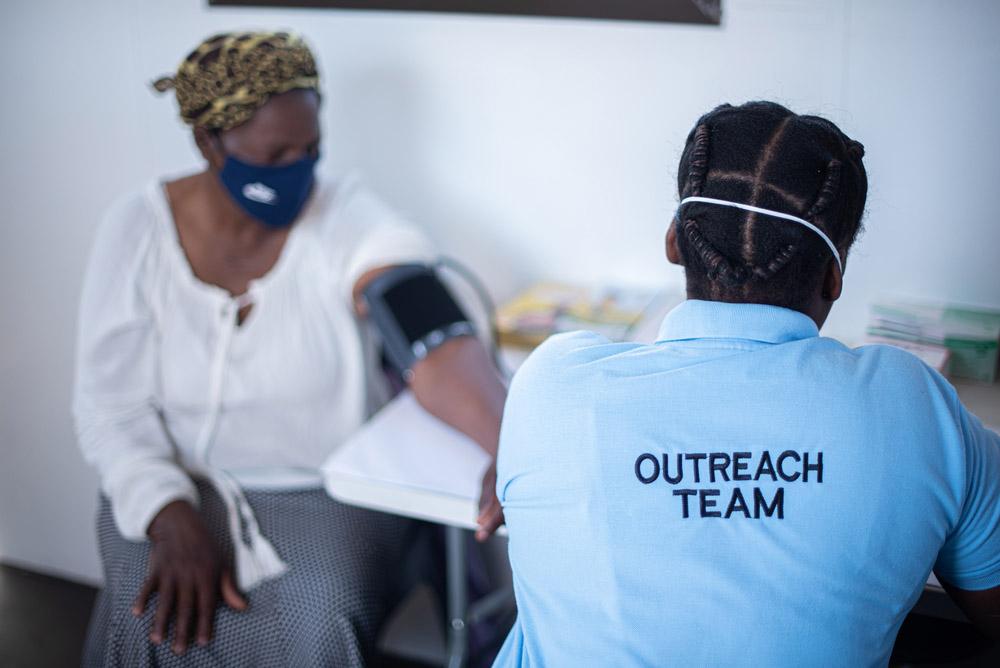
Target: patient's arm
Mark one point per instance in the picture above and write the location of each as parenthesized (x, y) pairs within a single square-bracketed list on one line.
[(982, 607), (458, 384)]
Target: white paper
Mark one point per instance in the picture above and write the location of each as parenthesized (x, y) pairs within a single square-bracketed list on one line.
[(404, 445)]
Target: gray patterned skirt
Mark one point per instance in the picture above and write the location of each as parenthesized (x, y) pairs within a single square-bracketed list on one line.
[(325, 611)]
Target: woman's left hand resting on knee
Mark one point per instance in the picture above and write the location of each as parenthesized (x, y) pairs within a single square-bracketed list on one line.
[(186, 570)]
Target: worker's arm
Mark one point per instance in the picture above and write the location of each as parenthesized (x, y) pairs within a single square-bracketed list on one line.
[(968, 565), (981, 607)]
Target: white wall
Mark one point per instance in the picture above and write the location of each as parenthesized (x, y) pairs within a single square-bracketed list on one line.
[(532, 148)]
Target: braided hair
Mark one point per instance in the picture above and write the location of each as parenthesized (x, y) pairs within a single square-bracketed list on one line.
[(764, 155)]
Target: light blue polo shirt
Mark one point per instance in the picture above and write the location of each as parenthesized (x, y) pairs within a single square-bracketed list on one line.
[(741, 492)]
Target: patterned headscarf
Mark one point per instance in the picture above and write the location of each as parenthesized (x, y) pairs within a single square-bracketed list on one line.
[(224, 81)]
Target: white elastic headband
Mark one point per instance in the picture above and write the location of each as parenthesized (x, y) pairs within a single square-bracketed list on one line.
[(768, 212)]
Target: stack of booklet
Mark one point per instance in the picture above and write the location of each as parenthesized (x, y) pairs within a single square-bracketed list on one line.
[(550, 308), (960, 341)]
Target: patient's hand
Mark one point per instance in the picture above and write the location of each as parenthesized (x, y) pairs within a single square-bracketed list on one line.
[(490, 511), (187, 571)]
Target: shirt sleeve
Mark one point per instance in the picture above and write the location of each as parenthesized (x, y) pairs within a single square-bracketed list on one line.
[(118, 425), (382, 238), (970, 558)]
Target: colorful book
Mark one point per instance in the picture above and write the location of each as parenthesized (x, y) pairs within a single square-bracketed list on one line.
[(550, 308)]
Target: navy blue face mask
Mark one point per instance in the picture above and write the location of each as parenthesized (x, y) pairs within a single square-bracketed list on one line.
[(273, 195)]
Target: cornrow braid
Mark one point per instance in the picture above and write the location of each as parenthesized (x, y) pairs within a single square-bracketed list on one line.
[(827, 192), (856, 150), (775, 264), (718, 265), (762, 154), (698, 164)]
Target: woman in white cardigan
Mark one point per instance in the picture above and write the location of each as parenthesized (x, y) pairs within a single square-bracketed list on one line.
[(222, 356)]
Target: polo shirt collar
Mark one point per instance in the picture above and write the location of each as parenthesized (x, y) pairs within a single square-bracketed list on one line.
[(697, 319)]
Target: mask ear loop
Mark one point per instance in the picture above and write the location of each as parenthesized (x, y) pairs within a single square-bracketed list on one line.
[(766, 212)]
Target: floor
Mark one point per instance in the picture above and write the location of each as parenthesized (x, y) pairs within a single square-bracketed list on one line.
[(43, 620)]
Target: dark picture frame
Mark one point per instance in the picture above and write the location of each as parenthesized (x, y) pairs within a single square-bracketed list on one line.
[(671, 11)]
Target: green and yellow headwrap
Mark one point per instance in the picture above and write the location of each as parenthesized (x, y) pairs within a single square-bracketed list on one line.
[(230, 76)]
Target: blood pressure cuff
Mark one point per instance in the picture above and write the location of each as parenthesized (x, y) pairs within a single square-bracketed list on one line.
[(414, 313)]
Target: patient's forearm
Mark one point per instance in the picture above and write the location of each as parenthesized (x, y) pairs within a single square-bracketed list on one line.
[(458, 384)]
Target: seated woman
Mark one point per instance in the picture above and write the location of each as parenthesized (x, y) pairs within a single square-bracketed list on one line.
[(743, 491), (222, 356)]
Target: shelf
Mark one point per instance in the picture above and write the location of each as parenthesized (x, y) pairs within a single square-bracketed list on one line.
[(983, 399)]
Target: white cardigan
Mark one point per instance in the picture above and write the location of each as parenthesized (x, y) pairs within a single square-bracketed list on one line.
[(168, 385)]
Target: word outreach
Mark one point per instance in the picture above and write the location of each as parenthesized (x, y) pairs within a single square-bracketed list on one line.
[(694, 467)]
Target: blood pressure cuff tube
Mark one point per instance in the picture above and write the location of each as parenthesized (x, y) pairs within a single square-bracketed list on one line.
[(414, 313)]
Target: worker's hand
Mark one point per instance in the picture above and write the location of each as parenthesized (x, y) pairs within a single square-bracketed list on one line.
[(186, 570), (490, 511)]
